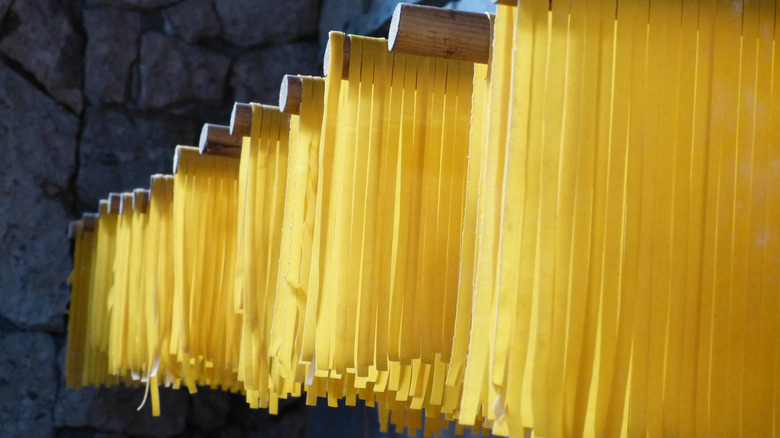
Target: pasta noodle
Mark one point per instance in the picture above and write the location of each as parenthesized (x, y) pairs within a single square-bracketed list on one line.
[(579, 238)]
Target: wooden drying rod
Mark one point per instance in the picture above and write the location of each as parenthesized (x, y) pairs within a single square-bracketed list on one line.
[(431, 31), (418, 30), (126, 202), (290, 93), (217, 140), (241, 120), (88, 222), (347, 49), (151, 184), (241, 117), (441, 33), (112, 205), (114, 202), (141, 200), (414, 29), (73, 229)]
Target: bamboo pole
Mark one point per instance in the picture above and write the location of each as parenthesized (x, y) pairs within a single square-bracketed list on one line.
[(290, 93), (241, 120), (441, 33), (217, 140)]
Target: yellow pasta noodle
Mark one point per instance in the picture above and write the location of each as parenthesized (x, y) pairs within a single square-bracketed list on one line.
[(579, 238)]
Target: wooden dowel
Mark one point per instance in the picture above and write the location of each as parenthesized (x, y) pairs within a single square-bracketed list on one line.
[(127, 203), (183, 150), (141, 200), (217, 140), (73, 229), (103, 207), (290, 93), (345, 64), (241, 120), (89, 221), (151, 183), (441, 33), (114, 203)]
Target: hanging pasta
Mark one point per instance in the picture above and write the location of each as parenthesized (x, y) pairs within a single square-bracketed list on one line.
[(579, 238), (119, 352), (158, 303), (76, 362), (292, 282), (205, 330), (94, 281), (96, 348), (261, 189), (630, 174), (390, 208)]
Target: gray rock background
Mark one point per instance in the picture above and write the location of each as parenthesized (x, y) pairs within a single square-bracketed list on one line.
[(94, 95)]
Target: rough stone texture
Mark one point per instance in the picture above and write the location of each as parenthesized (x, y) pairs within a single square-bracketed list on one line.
[(376, 20), (251, 22), (209, 409), (173, 72), (336, 14), (38, 145), (30, 119), (4, 7), (119, 151), (194, 19), (132, 4), (112, 48), (38, 35), (115, 409), (256, 77), (244, 422), (34, 264), (27, 385)]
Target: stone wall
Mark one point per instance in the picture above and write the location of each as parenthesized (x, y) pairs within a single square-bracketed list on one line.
[(94, 95)]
